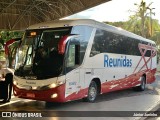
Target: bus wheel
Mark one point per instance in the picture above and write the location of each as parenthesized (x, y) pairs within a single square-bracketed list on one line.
[(142, 85), (92, 92)]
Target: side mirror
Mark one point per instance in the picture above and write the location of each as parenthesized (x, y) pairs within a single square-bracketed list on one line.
[(62, 43), (10, 42)]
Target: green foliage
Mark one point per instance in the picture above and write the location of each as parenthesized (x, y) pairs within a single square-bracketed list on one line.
[(136, 29), (4, 37), (7, 35)]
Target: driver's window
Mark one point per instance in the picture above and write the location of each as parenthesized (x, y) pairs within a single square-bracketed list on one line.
[(29, 56), (71, 56)]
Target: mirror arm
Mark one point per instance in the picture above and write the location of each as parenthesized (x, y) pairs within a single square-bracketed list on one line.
[(62, 45)]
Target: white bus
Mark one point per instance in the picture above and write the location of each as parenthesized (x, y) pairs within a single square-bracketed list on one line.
[(60, 61)]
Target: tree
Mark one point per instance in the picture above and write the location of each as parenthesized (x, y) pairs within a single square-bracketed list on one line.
[(141, 14), (8, 35), (151, 13), (142, 23)]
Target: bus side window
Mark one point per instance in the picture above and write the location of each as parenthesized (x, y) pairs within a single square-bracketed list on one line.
[(71, 56), (95, 48), (98, 43)]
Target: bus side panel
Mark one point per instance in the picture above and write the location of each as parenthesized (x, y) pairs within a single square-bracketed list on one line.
[(128, 82), (86, 78), (75, 84), (119, 77), (75, 95), (112, 78), (151, 75), (119, 84)]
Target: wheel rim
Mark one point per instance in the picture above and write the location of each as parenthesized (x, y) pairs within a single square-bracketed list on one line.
[(92, 93)]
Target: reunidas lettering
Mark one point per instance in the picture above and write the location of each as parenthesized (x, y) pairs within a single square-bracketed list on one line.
[(117, 62)]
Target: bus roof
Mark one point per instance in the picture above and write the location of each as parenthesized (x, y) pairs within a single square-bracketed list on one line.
[(88, 22)]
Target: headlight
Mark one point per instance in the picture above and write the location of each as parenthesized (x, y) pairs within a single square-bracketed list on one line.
[(54, 95), (14, 82), (53, 85), (34, 88)]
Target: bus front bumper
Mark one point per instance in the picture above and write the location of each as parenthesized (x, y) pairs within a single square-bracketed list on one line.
[(50, 95)]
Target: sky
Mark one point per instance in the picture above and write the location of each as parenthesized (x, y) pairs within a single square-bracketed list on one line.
[(115, 10)]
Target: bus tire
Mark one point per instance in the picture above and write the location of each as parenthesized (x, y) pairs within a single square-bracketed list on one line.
[(142, 86), (92, 92)]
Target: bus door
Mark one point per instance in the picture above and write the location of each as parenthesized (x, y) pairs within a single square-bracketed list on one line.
[(72, 68)]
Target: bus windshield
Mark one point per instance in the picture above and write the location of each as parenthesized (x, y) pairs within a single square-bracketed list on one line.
[(38, 55)]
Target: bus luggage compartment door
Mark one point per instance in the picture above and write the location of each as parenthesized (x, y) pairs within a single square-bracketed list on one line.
[(72, 82)]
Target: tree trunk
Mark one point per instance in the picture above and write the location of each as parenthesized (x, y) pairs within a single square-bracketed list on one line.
[(142, 24)]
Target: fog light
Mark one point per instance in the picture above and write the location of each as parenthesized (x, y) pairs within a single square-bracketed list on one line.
[(54, 95), (34, 88)]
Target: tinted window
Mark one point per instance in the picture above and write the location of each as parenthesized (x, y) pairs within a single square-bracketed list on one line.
[(98, 43), (105, 41), (133, 48)]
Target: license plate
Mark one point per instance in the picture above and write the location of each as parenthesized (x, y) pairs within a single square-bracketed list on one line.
[(31, 95)]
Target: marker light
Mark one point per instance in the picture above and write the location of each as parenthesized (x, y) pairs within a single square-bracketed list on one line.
[(33, 33), (54, 95), (66, 25), (43, 26)]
